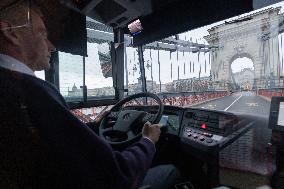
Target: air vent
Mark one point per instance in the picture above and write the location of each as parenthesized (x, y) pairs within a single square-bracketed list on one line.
[(109, 9)]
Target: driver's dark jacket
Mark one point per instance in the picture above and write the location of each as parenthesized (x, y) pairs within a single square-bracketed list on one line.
[(43, 145)]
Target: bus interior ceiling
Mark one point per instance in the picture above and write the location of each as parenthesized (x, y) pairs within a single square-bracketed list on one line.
[(183, 14)]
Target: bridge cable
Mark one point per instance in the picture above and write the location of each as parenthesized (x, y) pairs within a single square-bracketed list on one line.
[(183, 63), (171, 65), (178, 64), (189, 62), (151, 60), (159, 67), (282, 53), (199, 66), (205, 61)]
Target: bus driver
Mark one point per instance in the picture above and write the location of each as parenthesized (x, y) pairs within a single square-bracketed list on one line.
[(80, 158)]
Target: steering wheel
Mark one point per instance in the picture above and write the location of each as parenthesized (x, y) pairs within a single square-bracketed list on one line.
[(123, 127)]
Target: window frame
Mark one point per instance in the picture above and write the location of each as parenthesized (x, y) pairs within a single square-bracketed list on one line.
[(117, 58)]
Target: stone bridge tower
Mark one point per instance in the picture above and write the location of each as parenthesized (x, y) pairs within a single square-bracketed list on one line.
[(254, 36)]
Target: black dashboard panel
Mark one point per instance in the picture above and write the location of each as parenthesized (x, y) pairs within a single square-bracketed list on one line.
[(211, 131), (220, 123), (205, 130)]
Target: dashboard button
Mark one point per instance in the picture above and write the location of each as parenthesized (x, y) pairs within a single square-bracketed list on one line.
[(210, 135), (209, 140)]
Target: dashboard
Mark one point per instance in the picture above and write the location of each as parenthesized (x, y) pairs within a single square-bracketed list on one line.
[(195, 137), (206, 130)]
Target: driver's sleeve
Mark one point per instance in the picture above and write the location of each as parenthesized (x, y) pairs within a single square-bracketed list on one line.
[(84, 160)]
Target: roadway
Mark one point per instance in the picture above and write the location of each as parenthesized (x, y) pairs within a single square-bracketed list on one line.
[(242, 102)]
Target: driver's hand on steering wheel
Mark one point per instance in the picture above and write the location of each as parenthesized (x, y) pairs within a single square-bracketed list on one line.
[(151, 132)]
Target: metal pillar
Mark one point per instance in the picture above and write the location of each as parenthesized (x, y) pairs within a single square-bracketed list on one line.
[(142, 68), (118, 63)]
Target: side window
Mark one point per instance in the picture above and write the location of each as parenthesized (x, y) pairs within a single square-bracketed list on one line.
[(92, 74), (99, 79), (132, 80), (71, 76)]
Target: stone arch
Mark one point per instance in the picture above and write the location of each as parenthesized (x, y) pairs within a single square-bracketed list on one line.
[(249, 36), (241, 55), (235, 57)]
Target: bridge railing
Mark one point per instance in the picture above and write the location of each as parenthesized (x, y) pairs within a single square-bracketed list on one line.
[(186, 99), (181, 99), (271, 92), (83, 117)]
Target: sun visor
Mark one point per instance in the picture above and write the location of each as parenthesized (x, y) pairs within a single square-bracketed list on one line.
[(178, 16), (115, 13), (66, 27)]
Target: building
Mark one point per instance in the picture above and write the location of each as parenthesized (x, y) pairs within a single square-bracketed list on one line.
[(244, 79)]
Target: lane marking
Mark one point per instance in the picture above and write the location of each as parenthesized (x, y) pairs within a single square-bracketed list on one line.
[(233, 103), (209, 106), (212, 106), (252, 104)]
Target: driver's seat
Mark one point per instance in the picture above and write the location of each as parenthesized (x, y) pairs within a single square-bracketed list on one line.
[(26, 161)]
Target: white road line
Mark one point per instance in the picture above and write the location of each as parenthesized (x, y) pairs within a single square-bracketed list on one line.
[(233, 103)]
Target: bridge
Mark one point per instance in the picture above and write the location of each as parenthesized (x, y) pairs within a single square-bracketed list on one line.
[(256, 36)]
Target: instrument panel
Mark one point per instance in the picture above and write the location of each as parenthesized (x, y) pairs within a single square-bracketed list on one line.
[(210, 121), (205, 130), (173, 123)]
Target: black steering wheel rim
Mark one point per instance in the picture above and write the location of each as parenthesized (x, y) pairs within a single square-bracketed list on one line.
[(117, 106)]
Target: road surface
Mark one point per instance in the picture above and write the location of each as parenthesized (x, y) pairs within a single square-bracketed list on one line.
[(242, 102)]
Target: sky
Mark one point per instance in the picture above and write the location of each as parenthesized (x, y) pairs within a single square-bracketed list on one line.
[(241, 63), (71, 70), (183, 61)]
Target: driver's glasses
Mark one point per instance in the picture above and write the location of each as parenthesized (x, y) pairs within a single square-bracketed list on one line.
[(13, 5)]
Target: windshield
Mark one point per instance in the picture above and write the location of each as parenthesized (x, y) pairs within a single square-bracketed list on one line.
[(234, 65)]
